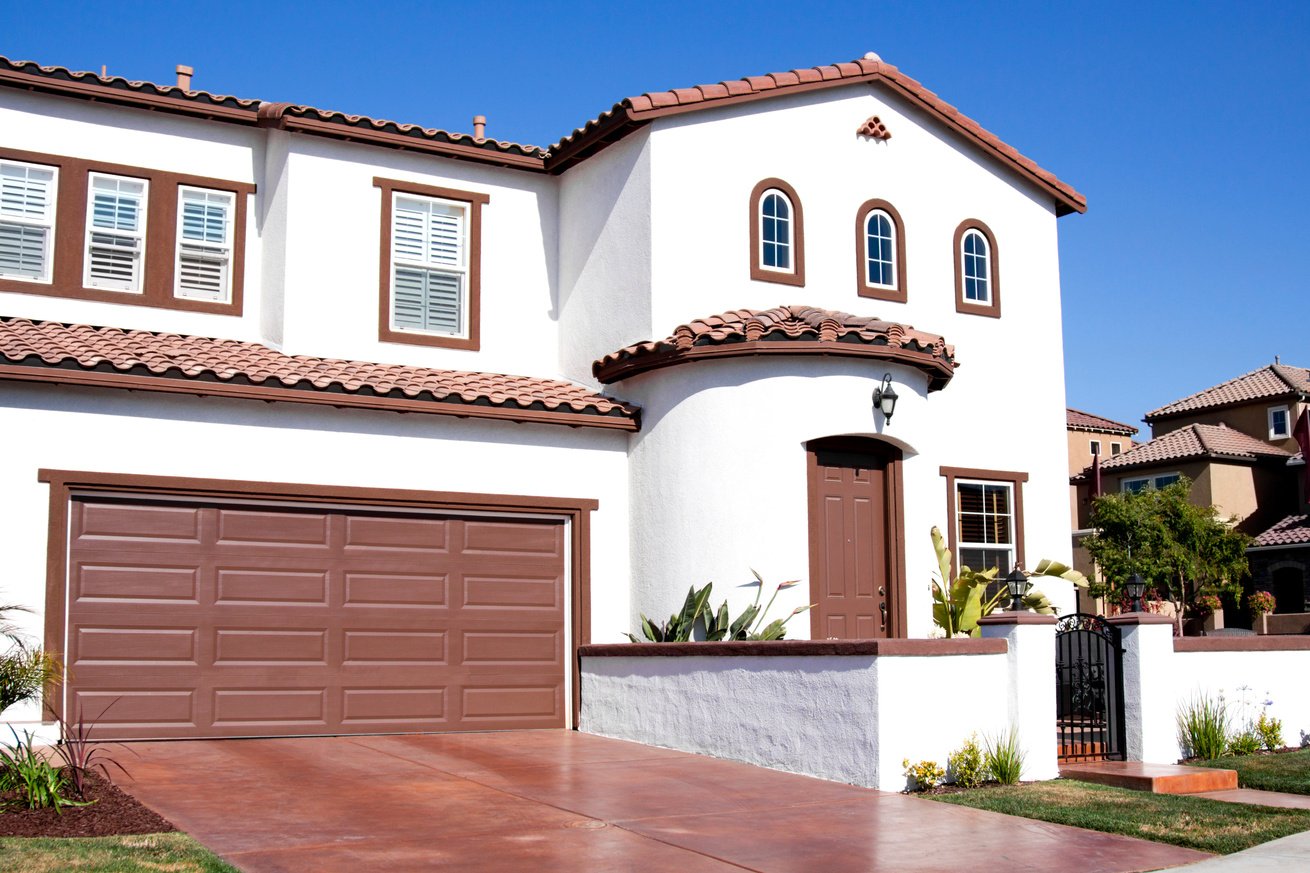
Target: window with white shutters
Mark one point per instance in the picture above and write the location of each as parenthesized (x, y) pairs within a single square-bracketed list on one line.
[(204, 244), (429, 265), (27, 220), (115, 232)]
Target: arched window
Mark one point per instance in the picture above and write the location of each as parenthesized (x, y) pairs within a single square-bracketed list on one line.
[(879, 252), (977, 288), (777, 234)]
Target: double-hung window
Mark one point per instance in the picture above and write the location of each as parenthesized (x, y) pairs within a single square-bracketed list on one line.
[(1280, 419), (429, 264), (27, 221), (879, 252), (985, 531), (1148, 483), (204, 244), (977, 276), (777, 234), (115, 232)]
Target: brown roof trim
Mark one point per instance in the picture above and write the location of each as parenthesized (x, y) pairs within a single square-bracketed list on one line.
[(801, 648), (629, 114), (785, 330), (82, 355)]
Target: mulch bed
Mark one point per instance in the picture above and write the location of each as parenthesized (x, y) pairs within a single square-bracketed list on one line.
[(113, 813)]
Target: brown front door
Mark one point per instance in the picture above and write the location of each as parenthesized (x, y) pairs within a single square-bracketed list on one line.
[(856, 575), (192, 620)]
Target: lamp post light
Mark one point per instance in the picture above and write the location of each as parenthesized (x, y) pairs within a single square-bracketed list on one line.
[(884, 397), (1136, 587), (1017, 583)]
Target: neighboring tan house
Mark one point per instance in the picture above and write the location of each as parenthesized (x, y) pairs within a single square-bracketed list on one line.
[(1236, 443), (264, 472)]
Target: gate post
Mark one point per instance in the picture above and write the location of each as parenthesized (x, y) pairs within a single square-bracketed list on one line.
[(1150, 722), (1030, 640)]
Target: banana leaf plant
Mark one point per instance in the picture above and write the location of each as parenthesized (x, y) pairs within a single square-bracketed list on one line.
[(958, 603)]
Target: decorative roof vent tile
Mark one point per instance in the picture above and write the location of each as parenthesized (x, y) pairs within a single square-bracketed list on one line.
[(786, 330), (873, 128)]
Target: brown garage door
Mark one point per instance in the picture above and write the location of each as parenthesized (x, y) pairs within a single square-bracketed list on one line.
[(189, 620)]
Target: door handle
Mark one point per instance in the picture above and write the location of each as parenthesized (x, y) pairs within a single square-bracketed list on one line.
[(882, 607)]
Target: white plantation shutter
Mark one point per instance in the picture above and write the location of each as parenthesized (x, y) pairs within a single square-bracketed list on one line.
[(204, 244), (429, 264), (27, 219), (115, 233)]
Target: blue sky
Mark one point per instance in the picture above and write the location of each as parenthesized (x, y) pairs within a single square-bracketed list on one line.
[(1185, 125)]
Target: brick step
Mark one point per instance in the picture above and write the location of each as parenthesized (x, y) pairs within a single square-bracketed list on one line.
[(1155, 778)]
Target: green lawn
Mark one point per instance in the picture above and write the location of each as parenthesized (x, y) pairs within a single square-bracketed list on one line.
[(158, 853), (1192, 822), (1285, 771)]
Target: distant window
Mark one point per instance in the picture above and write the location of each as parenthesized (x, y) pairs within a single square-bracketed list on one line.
[(977, 277), (27, 221), (115, 232), (1095, 446), (1279, 423), (777, 234), (204, 244), (1115, 448), (1148, 483)]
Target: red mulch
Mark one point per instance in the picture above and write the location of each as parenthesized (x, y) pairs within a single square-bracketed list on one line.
[(113, 813)]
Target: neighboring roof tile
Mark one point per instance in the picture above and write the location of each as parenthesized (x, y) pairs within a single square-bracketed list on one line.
[(628, 114), (1271, 381), (1195, 441), (803, 330), (112, 357), (1076, 419), (1291, 531)]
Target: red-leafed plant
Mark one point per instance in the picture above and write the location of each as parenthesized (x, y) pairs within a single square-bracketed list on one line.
[(81, 754)]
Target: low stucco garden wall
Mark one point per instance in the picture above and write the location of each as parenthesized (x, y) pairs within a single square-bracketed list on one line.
[(848, 711)]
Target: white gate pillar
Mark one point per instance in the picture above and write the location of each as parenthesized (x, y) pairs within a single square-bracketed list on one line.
[(1150, 717), (1030, 639)]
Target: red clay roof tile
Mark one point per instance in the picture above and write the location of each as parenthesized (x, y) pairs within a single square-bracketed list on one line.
[(802, 330), (1291, 531), (1195, 441), (52, 352), (1076, 419), (1268, 382)]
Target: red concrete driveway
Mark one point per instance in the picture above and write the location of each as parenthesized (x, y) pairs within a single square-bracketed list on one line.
[(562, 800)]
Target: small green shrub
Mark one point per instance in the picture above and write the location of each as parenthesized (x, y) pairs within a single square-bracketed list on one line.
[(1203, 727), (1246, 742), (923, 775), (965, 765), (1270, 731), (39, 783), (1004, 757)]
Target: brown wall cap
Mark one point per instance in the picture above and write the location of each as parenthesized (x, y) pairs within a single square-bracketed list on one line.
[(1129, 619), (1288, 643), (798, 648), (1017, 618)]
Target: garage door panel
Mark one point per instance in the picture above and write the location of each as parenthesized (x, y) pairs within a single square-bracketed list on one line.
[(244, 622)]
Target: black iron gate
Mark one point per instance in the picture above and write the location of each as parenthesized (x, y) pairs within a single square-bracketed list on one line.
[(1089, 688)]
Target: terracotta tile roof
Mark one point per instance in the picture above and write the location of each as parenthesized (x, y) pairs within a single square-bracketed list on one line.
[(1196, 441), (802, 330), (48, 351), (1291, 531), (1268, 382), (627, 114), (1076, 419)]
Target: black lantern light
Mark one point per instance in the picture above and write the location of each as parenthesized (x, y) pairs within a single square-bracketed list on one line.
[(884, 397), (1017, 583), (1136, 587)]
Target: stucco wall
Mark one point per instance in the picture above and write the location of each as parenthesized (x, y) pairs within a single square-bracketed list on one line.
[(120, 432), (1246, 680), (850, 718)]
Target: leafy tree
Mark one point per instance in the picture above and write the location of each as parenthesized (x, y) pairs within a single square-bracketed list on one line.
[(1180, 549)]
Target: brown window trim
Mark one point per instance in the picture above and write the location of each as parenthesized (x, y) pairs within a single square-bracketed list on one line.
[(893, 295), (475, 201), (1015, 479), (993, 309), (63, 483), (797, 274), (158, 278)]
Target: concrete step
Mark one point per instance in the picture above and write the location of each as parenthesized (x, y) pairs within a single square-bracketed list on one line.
[(1155, 778)]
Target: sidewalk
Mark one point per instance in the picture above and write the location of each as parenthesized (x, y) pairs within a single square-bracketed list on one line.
[(1280, 856)]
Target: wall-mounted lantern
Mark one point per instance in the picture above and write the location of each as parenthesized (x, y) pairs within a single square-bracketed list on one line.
[(884, 397)]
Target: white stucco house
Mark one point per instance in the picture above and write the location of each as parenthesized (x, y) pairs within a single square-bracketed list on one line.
[(317, 423)]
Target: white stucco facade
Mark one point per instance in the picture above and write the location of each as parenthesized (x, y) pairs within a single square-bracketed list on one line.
[(649, 229)]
